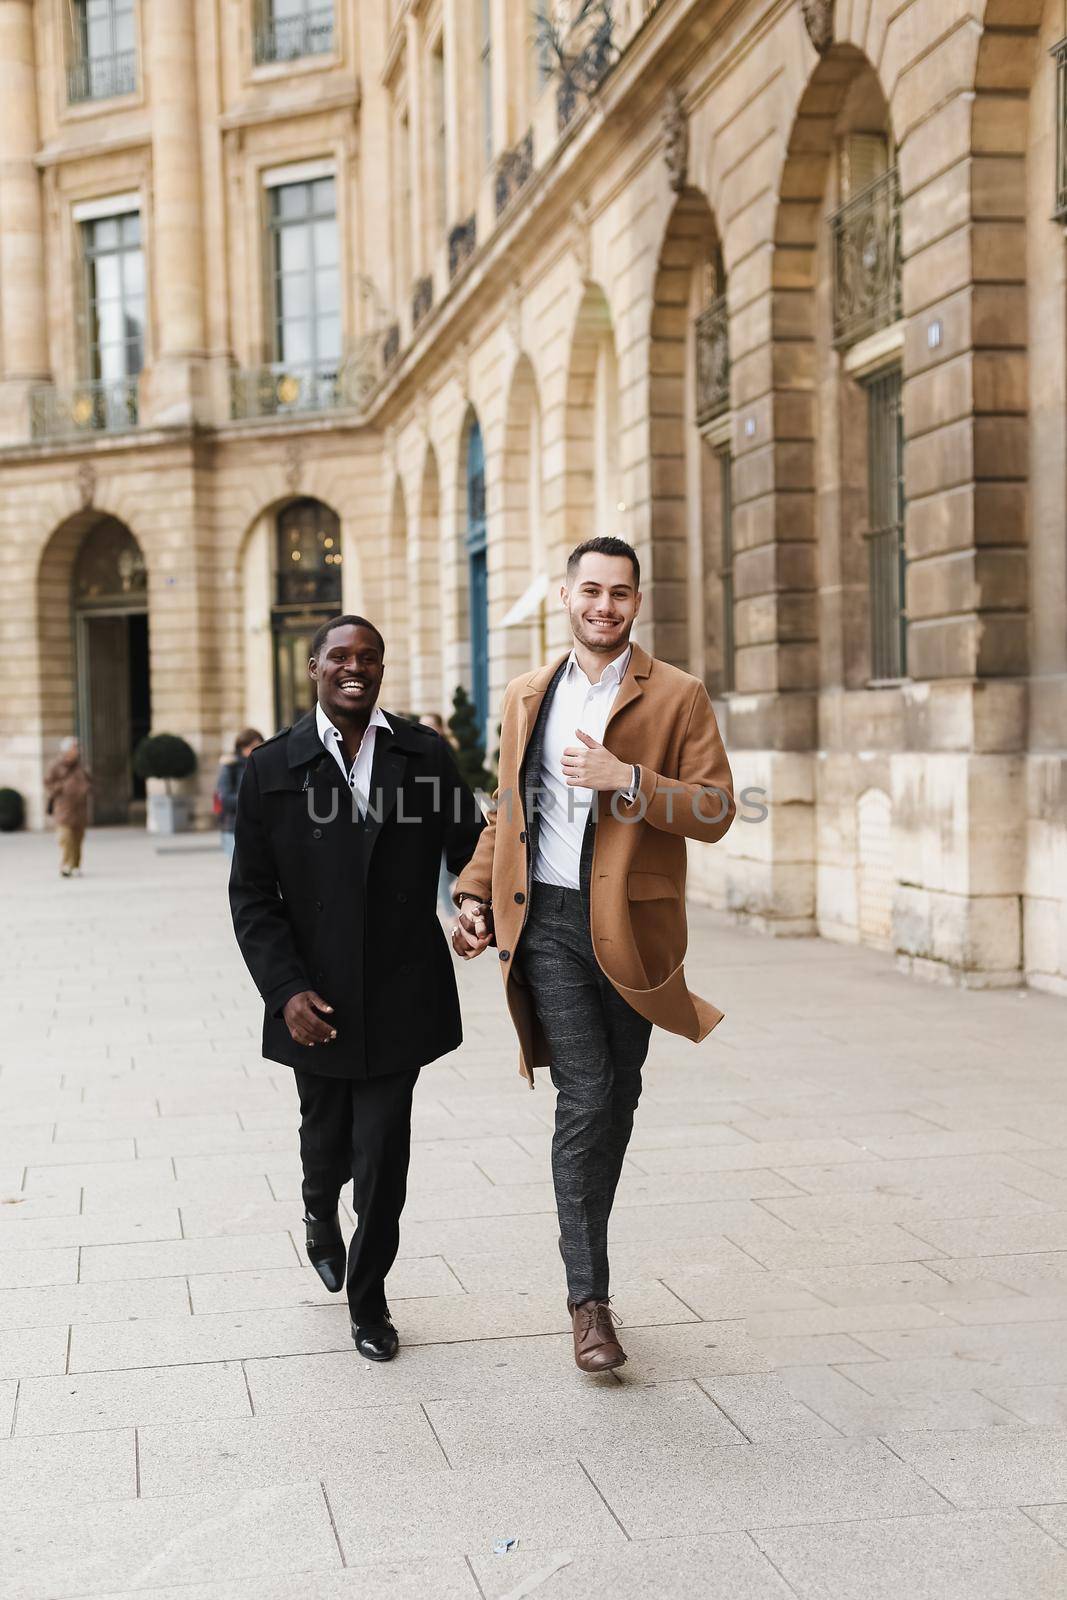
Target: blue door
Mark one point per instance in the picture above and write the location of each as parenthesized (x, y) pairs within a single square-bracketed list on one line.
[(478, 574)]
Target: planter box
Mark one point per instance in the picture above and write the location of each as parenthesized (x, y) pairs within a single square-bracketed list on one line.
[(169, 813)]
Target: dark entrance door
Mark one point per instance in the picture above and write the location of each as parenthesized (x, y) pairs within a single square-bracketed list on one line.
[(114, 709), (114, 673)]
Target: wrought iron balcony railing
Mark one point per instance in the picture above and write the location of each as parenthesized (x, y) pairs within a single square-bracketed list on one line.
[(289, 38), (102, 77), (461, 244), (91, 407), (514, 171), (866, 240), (278, 390), (583, 72), (1059, 55), (421, 299), (712, 329)]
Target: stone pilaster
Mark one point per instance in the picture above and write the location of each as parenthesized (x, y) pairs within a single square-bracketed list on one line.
[(22, 280), (175, 388)]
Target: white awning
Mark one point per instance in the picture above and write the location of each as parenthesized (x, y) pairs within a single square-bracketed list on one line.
[(528, 603)]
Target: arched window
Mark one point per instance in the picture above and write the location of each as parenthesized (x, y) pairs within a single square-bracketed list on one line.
[(307, 590), (478, 572)]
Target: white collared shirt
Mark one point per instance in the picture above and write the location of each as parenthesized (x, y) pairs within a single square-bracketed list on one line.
[(358, 775), (563, 811)]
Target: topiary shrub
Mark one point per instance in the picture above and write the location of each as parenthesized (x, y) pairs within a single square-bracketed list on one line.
[(469, 747), (12, 811), (164, 755)]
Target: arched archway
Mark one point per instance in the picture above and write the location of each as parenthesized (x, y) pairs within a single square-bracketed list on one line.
[(837, 424), (592, 497), (396, 611), (425, 581), (472, 561), (291, 581), (690, 603), (521, 574), (92, 595)]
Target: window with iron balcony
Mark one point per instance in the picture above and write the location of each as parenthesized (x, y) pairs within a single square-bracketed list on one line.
[(287, 30), (103, 50)]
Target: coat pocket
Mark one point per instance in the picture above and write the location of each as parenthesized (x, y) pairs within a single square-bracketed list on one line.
[(650, 886)]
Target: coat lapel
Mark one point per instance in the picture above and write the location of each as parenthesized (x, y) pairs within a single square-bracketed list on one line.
[(304, 744), (387, 777), (632, 686)]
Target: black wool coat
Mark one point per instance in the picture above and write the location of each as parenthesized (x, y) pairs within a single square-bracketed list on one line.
[(324, 900)]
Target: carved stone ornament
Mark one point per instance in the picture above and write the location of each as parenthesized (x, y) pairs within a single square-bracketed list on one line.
[(676, 140), (294, 465), (580, 242), (86, 480), (819, 20)]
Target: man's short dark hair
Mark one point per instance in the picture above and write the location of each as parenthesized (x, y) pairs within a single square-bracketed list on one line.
[(606, 545), (347, 621)]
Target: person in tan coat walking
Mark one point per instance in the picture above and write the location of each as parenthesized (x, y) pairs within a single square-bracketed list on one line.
[(68, 785), (609, 761)]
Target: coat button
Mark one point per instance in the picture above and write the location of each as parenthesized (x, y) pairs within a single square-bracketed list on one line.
[(520, 899), (317, 834), (318, 905), (402, 898), (522, 837), (505, 955)]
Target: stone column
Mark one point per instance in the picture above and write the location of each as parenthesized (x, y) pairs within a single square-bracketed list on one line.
[(23, 325), (175, 386)]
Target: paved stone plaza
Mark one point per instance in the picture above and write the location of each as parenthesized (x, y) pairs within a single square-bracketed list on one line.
[(840, 1257)]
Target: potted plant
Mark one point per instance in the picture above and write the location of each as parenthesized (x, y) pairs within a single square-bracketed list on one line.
[(12, 811), (164, 757), (469, 746)]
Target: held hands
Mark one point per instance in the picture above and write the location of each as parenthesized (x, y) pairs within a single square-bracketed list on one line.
[(590, 766), (472, 929), (301, 1015)]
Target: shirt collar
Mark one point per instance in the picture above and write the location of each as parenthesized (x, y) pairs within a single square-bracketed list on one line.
[(330, 736), (614, 671)]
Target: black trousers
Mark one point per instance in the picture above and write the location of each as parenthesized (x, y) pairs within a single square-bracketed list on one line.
[(598, 1046), (359, 1130)]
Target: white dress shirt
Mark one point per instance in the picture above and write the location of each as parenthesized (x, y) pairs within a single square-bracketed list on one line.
[(562, 810), (358, 775)]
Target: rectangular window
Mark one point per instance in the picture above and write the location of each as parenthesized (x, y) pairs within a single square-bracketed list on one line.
[(115, 295), (289, 29), (104, 55), (885, 535), (440, 136), (306, 272)]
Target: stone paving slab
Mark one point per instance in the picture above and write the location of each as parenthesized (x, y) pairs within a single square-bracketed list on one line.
[(837, 1254), (995, 1556)]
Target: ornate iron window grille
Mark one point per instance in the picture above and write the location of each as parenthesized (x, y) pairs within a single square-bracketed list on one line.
[(461, 243), (514, 171), (102, 77), (583, 73), (712, 330), (421, 299), (1059, 55), (866, 243), (92, 407), (289, 38), (885, 535)]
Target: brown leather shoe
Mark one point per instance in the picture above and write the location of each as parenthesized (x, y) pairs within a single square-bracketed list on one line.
[(596, 1349)]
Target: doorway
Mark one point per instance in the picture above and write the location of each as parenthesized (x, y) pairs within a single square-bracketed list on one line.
[(112, 661)]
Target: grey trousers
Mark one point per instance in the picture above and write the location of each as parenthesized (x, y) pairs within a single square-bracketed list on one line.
[(598, 1045)]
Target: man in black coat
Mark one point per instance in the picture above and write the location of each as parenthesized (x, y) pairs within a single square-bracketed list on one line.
[(341, 823)]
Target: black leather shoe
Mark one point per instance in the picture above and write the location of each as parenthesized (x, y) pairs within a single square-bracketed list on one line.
[(377, 1341), (326, 1250)]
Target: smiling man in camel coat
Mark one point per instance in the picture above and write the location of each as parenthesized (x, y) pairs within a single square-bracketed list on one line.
[(609, 761)]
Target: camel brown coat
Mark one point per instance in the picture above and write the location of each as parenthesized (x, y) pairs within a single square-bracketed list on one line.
[(663, 722), (68, 785)]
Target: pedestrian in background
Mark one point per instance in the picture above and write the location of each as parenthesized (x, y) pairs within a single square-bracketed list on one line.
[(434, 720), (68, 785), (231, 771)]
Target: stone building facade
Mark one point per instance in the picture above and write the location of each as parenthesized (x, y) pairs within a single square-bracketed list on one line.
[(389, 302)]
